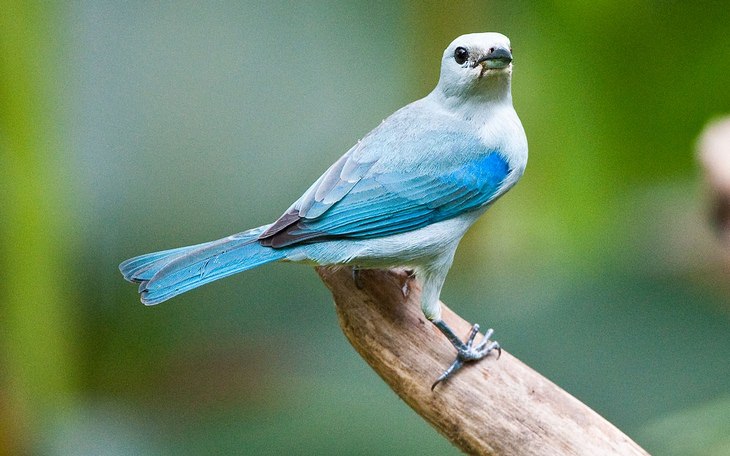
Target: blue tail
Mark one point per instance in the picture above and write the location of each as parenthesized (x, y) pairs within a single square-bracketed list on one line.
[(162, 275)]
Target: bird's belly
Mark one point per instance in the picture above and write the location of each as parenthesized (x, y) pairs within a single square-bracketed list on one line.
[(414, 248)]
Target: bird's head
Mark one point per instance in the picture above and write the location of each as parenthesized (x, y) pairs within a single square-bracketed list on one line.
[(477, 64)]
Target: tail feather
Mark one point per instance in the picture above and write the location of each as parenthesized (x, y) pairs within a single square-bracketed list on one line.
[(163, 275), (144, 267)]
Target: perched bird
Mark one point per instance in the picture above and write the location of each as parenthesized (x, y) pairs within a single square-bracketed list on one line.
[(403, 196)]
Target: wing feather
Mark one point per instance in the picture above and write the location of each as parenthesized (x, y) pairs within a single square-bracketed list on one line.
[(372, 192)]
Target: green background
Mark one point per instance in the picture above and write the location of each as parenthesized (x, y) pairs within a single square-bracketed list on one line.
[(137, 126)]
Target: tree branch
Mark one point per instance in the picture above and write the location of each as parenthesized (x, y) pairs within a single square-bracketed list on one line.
[(492, 407)]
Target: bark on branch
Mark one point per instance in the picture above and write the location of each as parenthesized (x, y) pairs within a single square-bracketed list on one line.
[(493, 407)]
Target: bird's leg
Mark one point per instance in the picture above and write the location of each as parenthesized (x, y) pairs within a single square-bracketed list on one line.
[(431, 281), (356, 277), (465, 351)]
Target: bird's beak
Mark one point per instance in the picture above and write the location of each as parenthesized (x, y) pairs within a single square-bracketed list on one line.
[(496, 59)]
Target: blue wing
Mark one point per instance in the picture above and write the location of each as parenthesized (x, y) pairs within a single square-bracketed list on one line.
[(359, 198)]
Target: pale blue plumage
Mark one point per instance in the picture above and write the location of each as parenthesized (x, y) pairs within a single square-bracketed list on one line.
[(403, 196), (377, 203)]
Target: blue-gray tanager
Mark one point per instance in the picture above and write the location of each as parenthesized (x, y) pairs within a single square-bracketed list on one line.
[(403, 196)]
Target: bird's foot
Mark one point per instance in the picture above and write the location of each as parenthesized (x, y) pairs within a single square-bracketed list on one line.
[(466, 351), (406, 287)]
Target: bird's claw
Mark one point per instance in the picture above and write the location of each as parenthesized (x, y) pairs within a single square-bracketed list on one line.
[(467, 352), (406, 287)]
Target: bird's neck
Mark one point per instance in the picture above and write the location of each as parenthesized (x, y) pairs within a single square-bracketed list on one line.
[(475, 103)]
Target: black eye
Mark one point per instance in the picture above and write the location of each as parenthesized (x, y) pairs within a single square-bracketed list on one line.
[(461, 55)]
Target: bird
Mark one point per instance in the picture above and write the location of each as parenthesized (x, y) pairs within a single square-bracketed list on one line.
[(403, 196)]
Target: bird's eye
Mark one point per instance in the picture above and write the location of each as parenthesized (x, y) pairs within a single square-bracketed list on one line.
[(461, 55)]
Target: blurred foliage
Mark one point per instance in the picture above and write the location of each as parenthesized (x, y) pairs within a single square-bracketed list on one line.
[(39, 367), (702, 430), (132, 127)]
